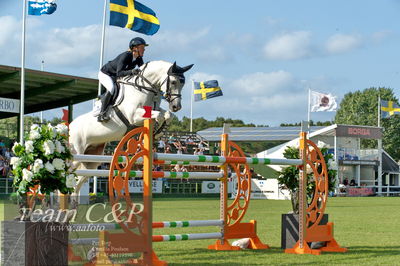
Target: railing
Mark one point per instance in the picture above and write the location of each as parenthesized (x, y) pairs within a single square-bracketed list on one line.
[(355, 154)]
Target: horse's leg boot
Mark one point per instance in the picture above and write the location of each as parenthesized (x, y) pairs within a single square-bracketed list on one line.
[(104, 107)]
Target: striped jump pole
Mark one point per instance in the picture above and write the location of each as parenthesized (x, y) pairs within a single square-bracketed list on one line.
[(156, 238), (155, 174), (182, 237), (225, 159), (187, 159), (164, 224), (90, 158)]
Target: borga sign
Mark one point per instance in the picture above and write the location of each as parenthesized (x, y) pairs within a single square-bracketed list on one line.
[(9, 105)]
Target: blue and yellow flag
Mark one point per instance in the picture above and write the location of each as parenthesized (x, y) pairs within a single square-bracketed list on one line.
[(389, 108), (206, 89), (133, 15)]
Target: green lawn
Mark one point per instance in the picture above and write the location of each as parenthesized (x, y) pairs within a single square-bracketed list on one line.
[(369, 227)]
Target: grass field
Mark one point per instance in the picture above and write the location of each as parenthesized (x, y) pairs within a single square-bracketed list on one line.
[(369, 227)]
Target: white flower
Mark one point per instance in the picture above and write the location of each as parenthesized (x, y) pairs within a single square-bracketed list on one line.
[(62, 129), (58, 164), (49, 147), (70, 181), (322, 144), (332, 164), (37, 165), (29, 146), (59, 147), (52, 130), (34, 134), (49, 167), (27, 175), (15, 162), (309, 170), (35, 127), (16, 144)]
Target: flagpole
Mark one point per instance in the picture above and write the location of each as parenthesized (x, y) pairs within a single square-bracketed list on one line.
[(379, 110), (191, 107), (379, 149), (22, 104), (102, 41), (309, 108)]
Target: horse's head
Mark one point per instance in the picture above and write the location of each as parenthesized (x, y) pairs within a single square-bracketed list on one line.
[(173, 85)]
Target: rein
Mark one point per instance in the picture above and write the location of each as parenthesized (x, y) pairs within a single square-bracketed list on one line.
[(151, 88)]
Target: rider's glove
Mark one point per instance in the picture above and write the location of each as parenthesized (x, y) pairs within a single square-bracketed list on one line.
[(135, 71)]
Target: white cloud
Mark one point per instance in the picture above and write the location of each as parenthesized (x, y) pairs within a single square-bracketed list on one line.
[(341, 43), (260, 83), (380, 35), (289, 46), (10, 40), (72, 47), (214, 54), (201, 76), (172, 41)]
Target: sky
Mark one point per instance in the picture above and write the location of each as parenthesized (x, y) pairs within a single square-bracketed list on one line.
[(265, 54)]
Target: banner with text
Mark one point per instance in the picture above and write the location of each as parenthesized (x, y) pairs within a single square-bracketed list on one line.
[(9, 105), (136, 186)]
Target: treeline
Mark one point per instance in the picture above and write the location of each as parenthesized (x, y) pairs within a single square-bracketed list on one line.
[(9, 126), (202, 123)]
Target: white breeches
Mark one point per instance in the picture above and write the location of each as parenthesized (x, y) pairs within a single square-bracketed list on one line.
[(106, 81)]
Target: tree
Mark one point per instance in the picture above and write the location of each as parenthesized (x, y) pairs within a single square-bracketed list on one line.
[(361, 108)]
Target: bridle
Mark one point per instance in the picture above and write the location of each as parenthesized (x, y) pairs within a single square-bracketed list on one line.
[(168, 95)]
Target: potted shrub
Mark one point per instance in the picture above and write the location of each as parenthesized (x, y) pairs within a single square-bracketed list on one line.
[(289, 179), (42, 165)]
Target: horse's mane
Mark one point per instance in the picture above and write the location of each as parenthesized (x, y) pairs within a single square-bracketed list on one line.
[(145, 65)]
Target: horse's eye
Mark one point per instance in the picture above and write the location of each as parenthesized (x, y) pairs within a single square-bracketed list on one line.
[(174, 82)]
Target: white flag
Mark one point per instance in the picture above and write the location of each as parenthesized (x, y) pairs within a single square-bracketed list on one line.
[(321, 102)]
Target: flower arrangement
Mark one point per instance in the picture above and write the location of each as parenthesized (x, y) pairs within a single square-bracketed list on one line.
[(289, 176), (45, 160)]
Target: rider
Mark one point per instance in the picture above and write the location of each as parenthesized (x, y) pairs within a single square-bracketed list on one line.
[(123, 65)]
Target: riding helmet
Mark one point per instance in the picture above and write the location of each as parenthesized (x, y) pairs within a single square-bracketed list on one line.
[(137, 41)]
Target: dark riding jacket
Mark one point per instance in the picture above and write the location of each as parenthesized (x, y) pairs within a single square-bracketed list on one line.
[(122, 65)]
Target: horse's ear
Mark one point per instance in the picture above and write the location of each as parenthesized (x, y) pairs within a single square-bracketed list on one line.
[(186, 68), (173, 69)]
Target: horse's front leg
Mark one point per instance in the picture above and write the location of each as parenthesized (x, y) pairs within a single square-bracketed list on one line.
[(163, 121)]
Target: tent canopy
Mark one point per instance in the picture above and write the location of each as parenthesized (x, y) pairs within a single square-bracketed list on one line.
[(44, 90)]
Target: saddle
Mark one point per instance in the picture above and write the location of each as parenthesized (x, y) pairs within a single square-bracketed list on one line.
[(117, 95)]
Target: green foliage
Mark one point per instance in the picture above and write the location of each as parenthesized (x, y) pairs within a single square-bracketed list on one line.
[(44, 159), (289, 176), (201, 123), (96, 198), (312, 123), (361, 108), (14, 197), (9, 126)]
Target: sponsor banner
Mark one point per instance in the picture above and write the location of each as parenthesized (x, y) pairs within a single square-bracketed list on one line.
[(356, 192), (214, 187), (359, 132), (9, 105), (265, 189), (136, 186)]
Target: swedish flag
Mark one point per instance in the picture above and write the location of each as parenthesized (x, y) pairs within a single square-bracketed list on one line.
[(133, 15), (206, 89), (389, 108)]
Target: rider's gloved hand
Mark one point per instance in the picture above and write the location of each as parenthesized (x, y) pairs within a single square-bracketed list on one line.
[(135, 71)]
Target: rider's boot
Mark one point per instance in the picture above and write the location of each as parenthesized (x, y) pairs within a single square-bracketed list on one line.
[(105, 101)]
